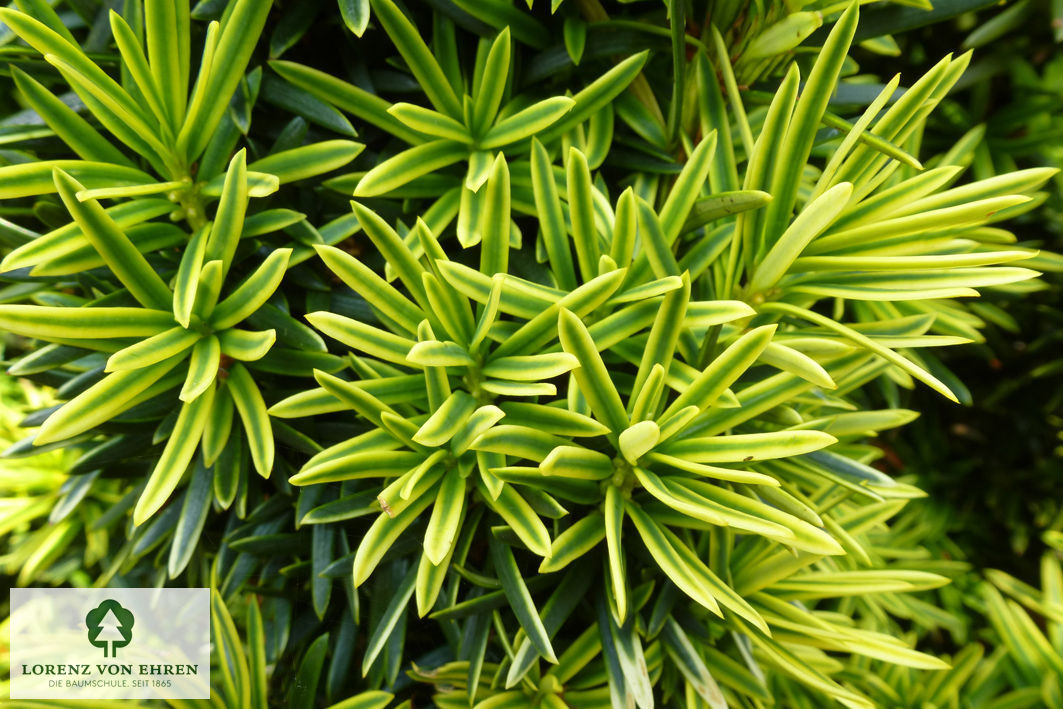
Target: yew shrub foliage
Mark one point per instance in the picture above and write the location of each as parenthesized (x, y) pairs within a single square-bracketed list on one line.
[(494, 354)]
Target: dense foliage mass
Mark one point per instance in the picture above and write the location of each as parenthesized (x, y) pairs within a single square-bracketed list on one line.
[(587, 398)]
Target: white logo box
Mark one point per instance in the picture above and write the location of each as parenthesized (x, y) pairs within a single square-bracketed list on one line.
[(110, 643)]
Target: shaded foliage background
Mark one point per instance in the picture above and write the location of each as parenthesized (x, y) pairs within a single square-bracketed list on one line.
[(995, 467)]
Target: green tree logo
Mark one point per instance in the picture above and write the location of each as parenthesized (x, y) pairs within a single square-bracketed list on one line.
[(110, 625)]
